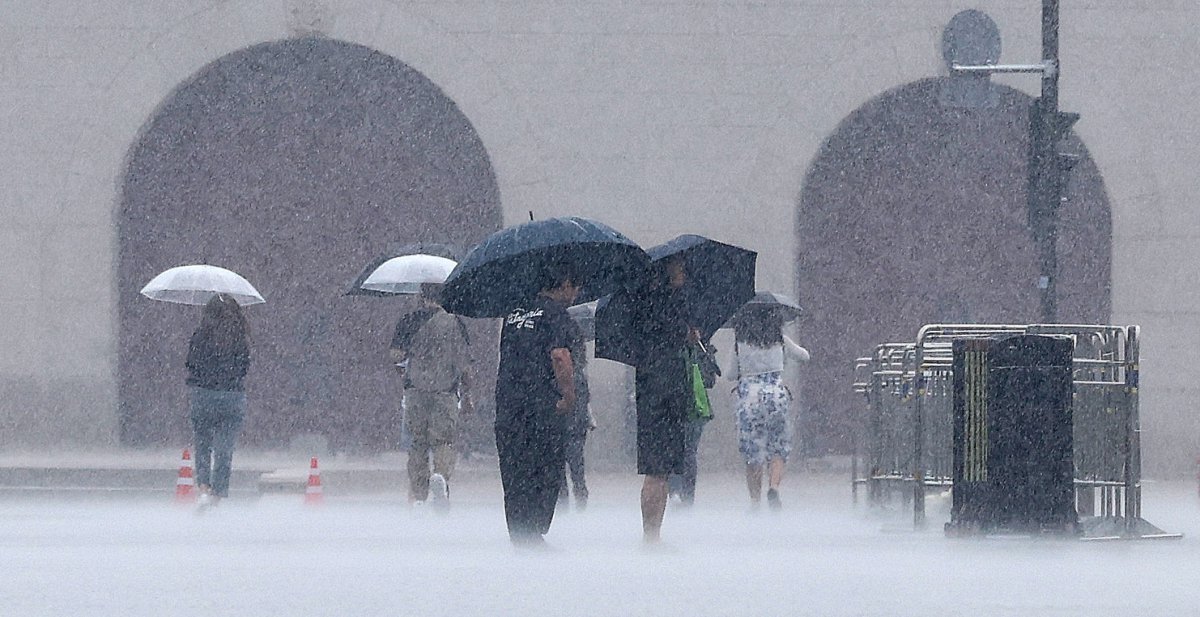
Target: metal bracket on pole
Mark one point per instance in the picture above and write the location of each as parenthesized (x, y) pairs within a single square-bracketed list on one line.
[(1047, 67)]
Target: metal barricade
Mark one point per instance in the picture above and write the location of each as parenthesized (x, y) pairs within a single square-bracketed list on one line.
[(906, 435)]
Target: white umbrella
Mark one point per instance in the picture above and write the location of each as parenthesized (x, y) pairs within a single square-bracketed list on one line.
[(197, 284), (406, 273)]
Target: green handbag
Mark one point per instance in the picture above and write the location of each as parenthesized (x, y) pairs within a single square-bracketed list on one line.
[(701, 406)]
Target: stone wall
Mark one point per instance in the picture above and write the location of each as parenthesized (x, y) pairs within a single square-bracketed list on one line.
[(656, 117)]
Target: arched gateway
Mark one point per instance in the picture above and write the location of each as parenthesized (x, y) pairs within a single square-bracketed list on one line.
[(294, 163), (914, 212)]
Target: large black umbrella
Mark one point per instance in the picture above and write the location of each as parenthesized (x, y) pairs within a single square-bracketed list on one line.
[(720, 278), (506, 270), (766, 305)]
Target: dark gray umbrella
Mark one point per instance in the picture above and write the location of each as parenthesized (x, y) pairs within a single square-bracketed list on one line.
[(766, 305), (720, 279), (508, 268)]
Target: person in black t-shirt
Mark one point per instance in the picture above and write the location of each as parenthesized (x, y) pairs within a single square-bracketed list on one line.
[(535, 390)]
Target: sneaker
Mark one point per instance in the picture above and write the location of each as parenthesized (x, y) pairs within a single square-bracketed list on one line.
[(203, 502), (439, 492), (773, 499)]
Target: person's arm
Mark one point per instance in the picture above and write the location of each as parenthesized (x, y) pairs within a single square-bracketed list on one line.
[(241, 361), (192, 360), (467, 404), (794, 351), (398, 358), (564, 377), (729, 369), (464, 367)]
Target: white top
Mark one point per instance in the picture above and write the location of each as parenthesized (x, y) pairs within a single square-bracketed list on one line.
[(753, 360)]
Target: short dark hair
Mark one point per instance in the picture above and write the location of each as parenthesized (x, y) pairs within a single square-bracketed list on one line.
[(759, 328), (555, 274), (432, 291)]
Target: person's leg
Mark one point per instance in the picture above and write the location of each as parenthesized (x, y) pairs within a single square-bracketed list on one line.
[(754, 476), (687, 491), (416, 421), (564, 492), (774, 476), (674, 485), (506, 449), (202, 434), (443, 430), (224, 439), (778, 440), (547, 461), (573, 454), (776, 469), (752, 436), (654, 505), (516, 480), (578, 473)]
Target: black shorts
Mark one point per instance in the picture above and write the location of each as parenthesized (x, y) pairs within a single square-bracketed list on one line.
[(662, 411)]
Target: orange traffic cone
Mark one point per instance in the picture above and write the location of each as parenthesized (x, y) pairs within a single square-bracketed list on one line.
[(185, 484), (312, 493)]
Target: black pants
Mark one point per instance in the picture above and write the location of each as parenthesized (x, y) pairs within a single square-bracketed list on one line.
[(684, 484), (531, 469), (575, 468)]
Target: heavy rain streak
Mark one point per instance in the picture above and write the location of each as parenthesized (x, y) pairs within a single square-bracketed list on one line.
[(316, 307)]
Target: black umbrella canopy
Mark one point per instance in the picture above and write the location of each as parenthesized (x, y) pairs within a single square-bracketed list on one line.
[(720, 278), (767, 305), (414, 248), (507, 269)]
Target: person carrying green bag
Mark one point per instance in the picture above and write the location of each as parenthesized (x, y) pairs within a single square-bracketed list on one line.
[(704, 371)]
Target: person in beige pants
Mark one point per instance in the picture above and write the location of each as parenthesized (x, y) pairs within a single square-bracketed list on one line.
[(433, 359)]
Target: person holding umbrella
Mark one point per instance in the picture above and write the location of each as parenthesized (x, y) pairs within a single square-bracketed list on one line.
[(764, 420), (694, 285), (535, 393), (217, 361), (663, 387), (580, 421), (683, 486), (528, 275), (431, 354)]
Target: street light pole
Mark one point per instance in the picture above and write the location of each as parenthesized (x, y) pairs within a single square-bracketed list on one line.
[(1047, 167)]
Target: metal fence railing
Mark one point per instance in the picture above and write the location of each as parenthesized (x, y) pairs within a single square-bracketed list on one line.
[(904, 444)]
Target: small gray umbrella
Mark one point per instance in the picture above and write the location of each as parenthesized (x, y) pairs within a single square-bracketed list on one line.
[(767, 304)]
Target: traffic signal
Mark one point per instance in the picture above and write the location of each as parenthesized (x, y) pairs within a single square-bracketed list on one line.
[(1048, 167)]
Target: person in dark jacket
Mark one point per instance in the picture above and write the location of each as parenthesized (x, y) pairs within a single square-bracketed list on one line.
[(535, 391), (664, 393), (217, 361), (683, 486)]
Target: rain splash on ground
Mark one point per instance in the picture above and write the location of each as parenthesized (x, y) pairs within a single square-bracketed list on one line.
[(372, 555)]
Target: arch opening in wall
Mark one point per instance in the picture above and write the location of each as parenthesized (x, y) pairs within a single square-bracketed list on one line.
[(294, 163), (913, 212)]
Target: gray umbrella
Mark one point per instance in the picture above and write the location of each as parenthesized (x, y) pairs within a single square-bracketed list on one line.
[(767, 304)]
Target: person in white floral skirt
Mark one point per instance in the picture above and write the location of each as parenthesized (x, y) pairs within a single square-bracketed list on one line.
[(764, 418)]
